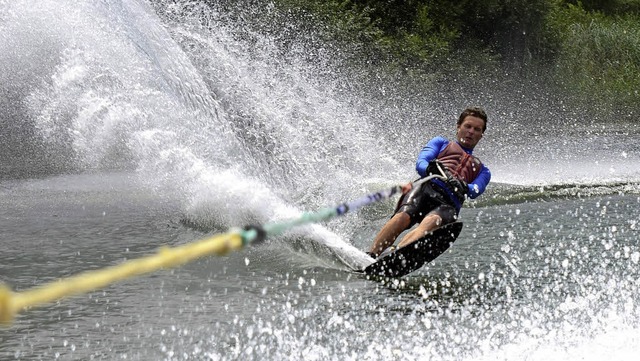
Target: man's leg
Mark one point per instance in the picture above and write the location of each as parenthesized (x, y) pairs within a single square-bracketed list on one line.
[(389, 232), (428, 224)]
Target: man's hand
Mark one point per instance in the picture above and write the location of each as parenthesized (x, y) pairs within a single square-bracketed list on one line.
[(407, 188), (459, 187)]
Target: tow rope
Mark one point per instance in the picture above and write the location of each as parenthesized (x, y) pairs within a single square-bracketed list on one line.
[(11, 303)]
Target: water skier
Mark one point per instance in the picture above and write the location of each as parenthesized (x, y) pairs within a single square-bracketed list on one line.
[(437, 202)]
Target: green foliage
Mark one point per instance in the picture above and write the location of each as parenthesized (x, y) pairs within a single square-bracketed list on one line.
[(340, 23), (590, 47), (596, 57), (511, 26), (416, 35), (426, 42), (601, 61), (609, 7)]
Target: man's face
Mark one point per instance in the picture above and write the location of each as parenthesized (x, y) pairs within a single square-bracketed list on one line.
[(470, 131)]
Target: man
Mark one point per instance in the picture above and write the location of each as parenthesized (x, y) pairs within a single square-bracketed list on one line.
[(437, 202)]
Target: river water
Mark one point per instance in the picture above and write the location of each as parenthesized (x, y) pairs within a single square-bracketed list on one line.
[(129, 126)]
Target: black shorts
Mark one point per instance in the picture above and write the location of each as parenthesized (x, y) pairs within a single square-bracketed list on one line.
[(425, 199)]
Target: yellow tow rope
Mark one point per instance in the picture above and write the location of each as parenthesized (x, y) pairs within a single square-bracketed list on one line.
[(11, 303)]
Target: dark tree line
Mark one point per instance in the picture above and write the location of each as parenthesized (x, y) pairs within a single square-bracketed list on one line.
[(590, 48)]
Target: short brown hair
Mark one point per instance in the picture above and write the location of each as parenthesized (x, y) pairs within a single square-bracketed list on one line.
[(476, 112)]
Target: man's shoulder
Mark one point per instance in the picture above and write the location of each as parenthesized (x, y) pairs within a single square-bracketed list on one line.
[(439, 140)]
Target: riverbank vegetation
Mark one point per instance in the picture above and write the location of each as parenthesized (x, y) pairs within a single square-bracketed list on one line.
[(589, 50)]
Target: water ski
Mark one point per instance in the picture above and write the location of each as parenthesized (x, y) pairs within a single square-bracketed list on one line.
[(407, 259)]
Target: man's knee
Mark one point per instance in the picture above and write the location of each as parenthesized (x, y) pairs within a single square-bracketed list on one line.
[(432, 219), (402, 217)]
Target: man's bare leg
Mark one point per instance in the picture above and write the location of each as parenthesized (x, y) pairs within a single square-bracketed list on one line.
[(429, 223), (389, 232)]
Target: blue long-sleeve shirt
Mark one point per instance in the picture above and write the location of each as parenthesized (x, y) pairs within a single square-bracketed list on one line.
[(430, 152)]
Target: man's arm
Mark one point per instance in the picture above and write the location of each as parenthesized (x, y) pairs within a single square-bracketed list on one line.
[(479, 184), (429, 153)]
